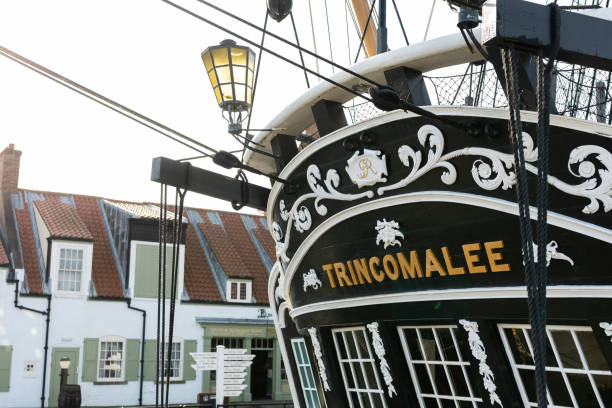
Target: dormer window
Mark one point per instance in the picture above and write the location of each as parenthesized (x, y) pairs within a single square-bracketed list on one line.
[(70, 271), (70, 268), (239, 290)]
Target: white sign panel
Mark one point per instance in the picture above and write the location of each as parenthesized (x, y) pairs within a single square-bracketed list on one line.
[(234, 387), (233, 381), (237, 363), (236, 357), (234, 375), (232, 393)]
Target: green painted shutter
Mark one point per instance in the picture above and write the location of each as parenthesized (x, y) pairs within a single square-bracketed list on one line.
[(132, 363), (150, 360), (189, 346), (90, 360), (6, 353), (146, 271)]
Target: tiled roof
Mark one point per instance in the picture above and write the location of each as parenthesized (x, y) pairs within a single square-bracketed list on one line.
[(141, 210), (28, 249), (104, 272), (4, 261), (238, 234), (80, 217), (62, 219), (224, 250), (199, 281)]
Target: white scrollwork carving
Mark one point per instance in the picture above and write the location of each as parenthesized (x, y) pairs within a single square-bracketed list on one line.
[(607, 329), (379, 349), (311, 279), (490, 171), (551, 253), (319, 355), (299, 215), (478, 351), (367, 168), (388, 231)]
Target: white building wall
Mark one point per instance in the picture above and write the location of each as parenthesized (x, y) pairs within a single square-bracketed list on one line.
[(74, 318)]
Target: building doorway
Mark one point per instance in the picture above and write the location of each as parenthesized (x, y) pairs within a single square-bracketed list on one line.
[(56, 355), (262, 368)]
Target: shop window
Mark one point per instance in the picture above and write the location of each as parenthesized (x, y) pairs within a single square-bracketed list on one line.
[(440, 374), (262, 344), (576, 370), (358, 368), (228, 342), (309, 387)]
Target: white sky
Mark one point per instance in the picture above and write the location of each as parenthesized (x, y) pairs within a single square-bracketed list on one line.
[(145, 54)]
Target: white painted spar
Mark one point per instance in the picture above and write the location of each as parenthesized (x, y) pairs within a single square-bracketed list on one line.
[(496, 204)]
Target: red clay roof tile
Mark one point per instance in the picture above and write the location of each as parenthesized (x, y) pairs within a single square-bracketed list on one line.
[(61, 219), (199, 281), (224, 250), (28, 249), (4, 261), (104, 272)]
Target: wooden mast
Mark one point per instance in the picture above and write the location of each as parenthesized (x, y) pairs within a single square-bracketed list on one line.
[(362, 9)]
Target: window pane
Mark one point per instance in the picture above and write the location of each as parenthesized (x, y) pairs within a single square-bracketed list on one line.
[(243, 291), (566, 349), (594, 357), (557, 389), (583, 391), (447, 345), (604, 386), (519, 346)]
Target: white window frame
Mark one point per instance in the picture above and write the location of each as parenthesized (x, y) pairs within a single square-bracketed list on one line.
[(463, 363), (56, 247), (306, 366), (249, 290), (361, 360), (564, 371), (109, 339), (181, 342)]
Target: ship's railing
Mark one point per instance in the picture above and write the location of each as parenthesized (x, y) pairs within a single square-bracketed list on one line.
[(580, 92)]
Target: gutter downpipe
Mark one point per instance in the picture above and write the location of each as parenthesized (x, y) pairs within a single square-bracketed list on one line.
[(142, 346), (13, 279)]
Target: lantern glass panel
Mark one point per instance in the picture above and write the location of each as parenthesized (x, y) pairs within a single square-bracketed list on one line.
[(240, 93), (250, 79), (220, 57), (224, 74), (249, 94), (218, 95), (207, 61), (251, 60), (239, 56), (226, 91), (239, 75), (213, 78)]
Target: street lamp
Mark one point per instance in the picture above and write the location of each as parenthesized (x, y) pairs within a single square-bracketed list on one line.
[(230, 68), (64, 365)]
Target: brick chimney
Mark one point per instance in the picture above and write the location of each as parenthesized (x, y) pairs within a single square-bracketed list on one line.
[(9, 178)]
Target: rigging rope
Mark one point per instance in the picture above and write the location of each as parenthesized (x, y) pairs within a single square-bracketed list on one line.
[(297, 41), (401, 23), (331, 53), (314, 39), (365, 30), (104, 101), (433, 4), (256, 27)]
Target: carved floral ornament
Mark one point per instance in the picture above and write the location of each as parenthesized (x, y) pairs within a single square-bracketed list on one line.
[(479, 353), (319, 356), (490, 170), (379, 349)]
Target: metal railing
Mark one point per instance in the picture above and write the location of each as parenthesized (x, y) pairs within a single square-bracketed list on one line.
[(253, 404)]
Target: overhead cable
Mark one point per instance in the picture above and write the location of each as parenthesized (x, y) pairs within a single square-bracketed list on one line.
[(104, 101), (277, 55), (315, 55)]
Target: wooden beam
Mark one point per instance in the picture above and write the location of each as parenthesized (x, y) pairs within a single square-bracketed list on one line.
[(184, 175)]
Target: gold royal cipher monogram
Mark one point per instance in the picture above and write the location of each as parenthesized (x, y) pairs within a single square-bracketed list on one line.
[(367, 168)]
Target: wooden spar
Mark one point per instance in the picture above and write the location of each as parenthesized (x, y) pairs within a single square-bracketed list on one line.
[(362, 9)]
